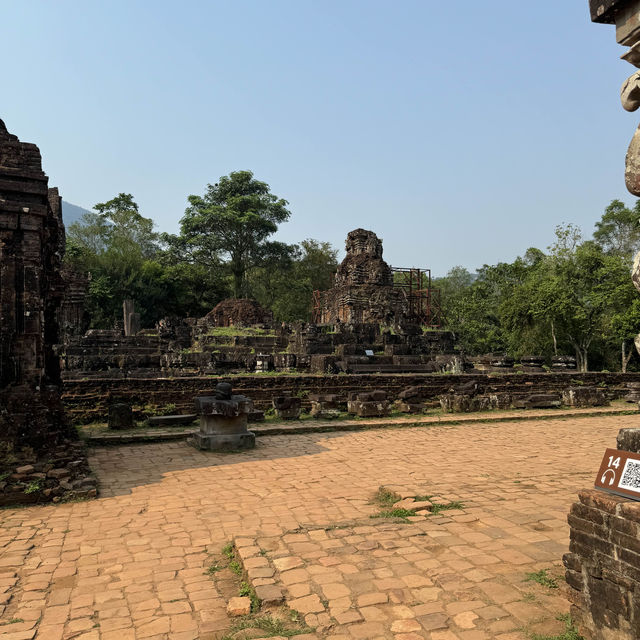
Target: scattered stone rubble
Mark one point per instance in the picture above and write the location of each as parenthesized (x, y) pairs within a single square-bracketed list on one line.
[(368, 405), (242, 312), (326, 405), (287, 407), (469, 397), (39, 459)]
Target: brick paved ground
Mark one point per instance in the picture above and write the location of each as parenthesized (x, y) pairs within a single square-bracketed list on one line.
[(131, 564)]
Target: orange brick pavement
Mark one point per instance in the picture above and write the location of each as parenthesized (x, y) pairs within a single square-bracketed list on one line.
[(131, 564)]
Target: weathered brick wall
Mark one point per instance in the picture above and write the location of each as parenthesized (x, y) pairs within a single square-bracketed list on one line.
[(603, 566), (38, 460), (31, 290), (87, 400)]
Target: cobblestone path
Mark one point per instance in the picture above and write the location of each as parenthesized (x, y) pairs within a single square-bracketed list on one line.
[(131, 565)]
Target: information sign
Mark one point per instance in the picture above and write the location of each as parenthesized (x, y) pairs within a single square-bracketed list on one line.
[(620, 473)]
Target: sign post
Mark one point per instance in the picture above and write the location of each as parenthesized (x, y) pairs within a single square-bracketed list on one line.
[(619, 473)]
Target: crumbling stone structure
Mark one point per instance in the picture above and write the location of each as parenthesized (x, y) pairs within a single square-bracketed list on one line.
[(241, 312), (32, 424), (363, 290), (73, 318), (287, 407)]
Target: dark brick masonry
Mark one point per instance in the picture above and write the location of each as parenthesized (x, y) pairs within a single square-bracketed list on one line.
[(32, 240), (88, 400)]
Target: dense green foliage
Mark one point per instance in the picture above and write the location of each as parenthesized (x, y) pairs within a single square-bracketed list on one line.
[(234, 220), (223, 249), (576, 298)]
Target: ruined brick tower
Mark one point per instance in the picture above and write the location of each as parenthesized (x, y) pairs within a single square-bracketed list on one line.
[(363, 290), (31, 290)]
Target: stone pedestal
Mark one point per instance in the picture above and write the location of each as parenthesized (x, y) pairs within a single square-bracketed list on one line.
[(223, 421)]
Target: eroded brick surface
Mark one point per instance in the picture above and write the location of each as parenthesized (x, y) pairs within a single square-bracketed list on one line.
[(133, 563)]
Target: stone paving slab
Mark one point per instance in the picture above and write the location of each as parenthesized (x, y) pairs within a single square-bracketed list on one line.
[(132, 564)]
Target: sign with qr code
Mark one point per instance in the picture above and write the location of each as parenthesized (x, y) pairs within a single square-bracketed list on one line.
[(620, 473)]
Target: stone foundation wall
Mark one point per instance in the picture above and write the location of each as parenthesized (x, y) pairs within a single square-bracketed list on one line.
[(603, 566), (87, 400)]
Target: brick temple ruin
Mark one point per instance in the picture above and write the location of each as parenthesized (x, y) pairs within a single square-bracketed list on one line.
[(36, 448), (366, 324)]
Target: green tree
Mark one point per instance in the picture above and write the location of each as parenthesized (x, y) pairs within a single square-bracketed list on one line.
[(470, 306), (114, 245), (233, 221), (618, 231), (286, 286)]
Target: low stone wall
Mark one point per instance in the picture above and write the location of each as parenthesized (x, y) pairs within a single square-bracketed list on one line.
[(87, 400), (603, 566)]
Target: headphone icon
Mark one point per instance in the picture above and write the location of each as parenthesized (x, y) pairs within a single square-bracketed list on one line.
[(604, 475)]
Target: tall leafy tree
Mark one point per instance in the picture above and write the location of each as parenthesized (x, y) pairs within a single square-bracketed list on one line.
[(234, 220), (618, 231)]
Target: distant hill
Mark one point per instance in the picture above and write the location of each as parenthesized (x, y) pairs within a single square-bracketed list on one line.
[(72, 213)]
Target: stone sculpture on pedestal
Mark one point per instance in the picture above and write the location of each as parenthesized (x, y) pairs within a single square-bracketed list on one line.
[(223, 421)]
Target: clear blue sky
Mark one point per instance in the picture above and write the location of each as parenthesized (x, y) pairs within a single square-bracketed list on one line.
[(460, 132)]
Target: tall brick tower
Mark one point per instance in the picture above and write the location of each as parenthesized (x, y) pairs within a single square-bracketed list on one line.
[(31, 289)]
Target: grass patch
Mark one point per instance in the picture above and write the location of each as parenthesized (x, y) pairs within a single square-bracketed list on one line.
[(395, 513), (246, 590), (11, 621), (213, 568), (34, 486), (543, 578), (275, 624), (439, 508), (384, 497), (240, 331), (570, 633), (236, 567)]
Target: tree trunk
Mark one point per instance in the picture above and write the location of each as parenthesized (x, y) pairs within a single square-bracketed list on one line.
[(585, 361), (237, 283), (625, 357), (581, 359), (555, 340)]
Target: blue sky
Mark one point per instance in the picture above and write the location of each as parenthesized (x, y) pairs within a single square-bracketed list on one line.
[(460, 132)]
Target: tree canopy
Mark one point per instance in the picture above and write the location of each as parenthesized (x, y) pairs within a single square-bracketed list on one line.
[(233, 220), (577, 298), (224, 248)]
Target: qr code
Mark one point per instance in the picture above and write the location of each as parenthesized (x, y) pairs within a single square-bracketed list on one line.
[(630, 476)]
